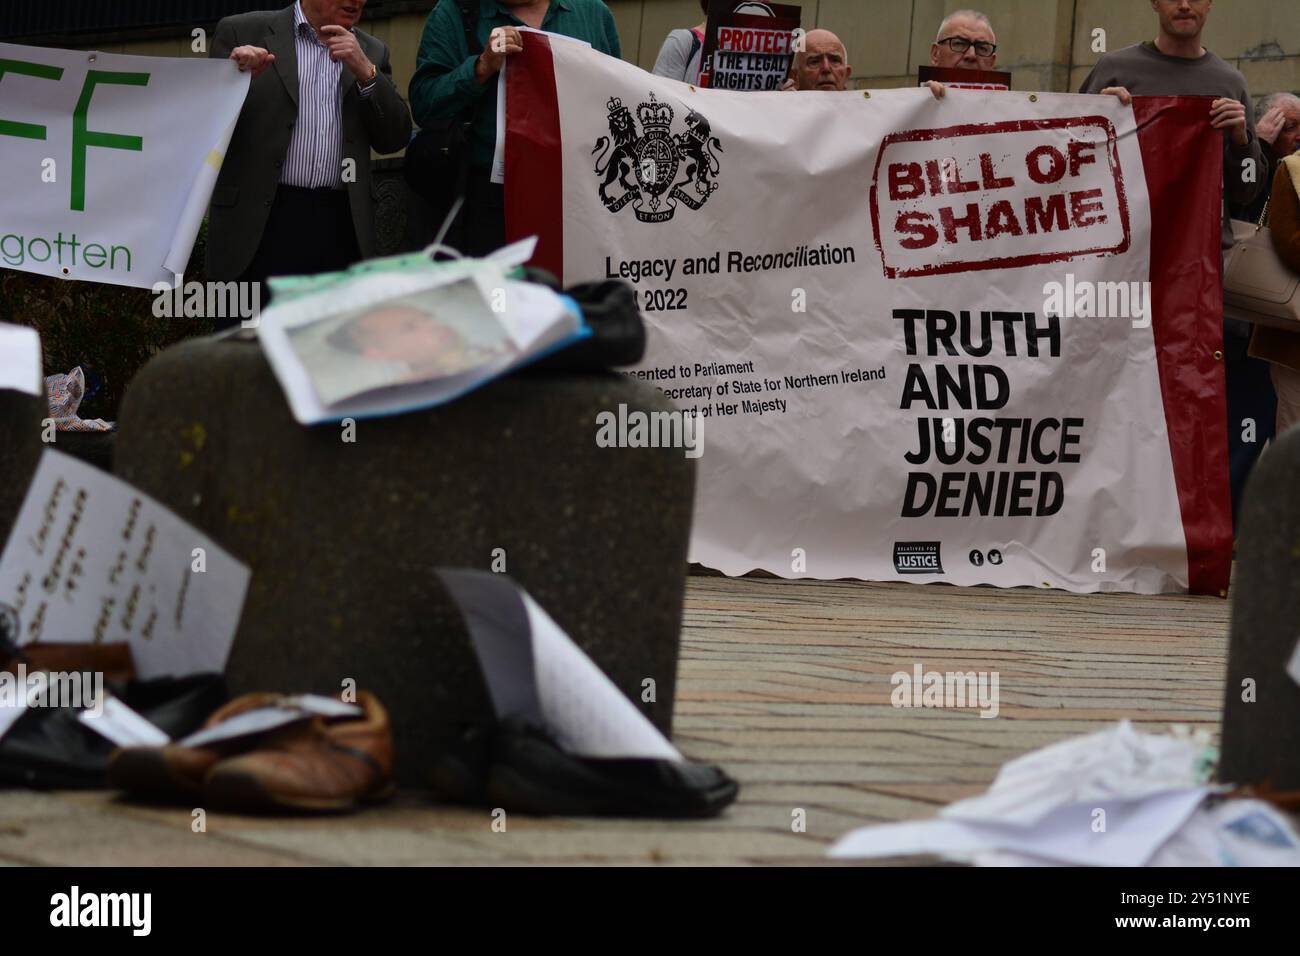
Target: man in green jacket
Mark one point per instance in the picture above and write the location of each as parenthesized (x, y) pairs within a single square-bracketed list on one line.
[(451, 80)]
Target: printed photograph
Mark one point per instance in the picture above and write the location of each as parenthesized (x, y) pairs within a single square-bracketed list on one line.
[(442, 333)]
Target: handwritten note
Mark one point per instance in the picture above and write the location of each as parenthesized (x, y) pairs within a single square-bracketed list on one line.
[(92, 559)]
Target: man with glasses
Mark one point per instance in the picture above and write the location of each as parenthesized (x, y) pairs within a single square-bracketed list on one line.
[(965, 41)]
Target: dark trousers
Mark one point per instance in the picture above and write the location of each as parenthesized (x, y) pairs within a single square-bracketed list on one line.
[(308, 231), (483, 218), (1250, 396)]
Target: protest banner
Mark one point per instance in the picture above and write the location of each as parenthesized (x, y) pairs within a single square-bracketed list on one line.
[(749, 46), (109, 161), (973, 340)]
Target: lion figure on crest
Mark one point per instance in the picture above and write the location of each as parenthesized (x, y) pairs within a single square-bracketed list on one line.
[(696, 147), (622, 137)]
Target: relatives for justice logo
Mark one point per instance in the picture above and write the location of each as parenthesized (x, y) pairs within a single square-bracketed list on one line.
[(917, 557), (646, 164)]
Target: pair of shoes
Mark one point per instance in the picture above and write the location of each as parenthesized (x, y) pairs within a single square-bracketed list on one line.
[(518, 767), (316, 764), (50, 748)]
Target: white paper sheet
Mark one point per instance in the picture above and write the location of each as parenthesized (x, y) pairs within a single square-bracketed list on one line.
[(1116, 764), (499, 152), (588, 715), (1233, 833), (514, 255), (1110, 798), (92, 559), (289, 711), (123, 726), (1134, 831), (20, 360)]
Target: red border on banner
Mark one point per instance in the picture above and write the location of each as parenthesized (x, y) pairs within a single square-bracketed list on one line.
[(534, 188), (1183, 159)]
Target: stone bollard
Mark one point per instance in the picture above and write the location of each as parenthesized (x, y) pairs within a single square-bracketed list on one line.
[(1261, 738), (20, 450), (342, 536)]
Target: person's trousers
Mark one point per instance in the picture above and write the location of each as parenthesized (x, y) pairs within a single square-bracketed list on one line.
[(483, 219), (1286, 383), (1250, 399), (308, 231)]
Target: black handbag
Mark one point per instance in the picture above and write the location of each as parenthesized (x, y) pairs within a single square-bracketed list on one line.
[(435, 167)]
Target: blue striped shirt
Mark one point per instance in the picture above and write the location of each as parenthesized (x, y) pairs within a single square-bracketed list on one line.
[(315, 157)]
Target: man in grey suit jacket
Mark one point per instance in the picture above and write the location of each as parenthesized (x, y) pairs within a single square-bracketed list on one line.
[(294, 195)]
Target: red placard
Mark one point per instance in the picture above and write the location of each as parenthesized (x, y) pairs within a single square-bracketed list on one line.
[(749, 45)]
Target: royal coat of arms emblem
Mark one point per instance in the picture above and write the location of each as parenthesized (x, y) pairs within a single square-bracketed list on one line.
[(647, 166)]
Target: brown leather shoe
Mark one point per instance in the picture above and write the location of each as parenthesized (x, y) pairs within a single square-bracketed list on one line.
[(323, 764), (172, 772)]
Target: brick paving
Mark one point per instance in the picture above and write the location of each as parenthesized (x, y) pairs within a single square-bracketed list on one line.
[(787, 685)]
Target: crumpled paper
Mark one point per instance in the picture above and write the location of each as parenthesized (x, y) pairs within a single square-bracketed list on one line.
[(1118, 797)]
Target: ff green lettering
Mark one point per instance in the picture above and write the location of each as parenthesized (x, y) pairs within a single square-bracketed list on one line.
[(42, 72), (83, 138)]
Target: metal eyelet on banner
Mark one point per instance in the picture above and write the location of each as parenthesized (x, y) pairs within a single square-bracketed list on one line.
[(91, 58), (866, 94), (692, 87), (1033, 97), (1218, 356)]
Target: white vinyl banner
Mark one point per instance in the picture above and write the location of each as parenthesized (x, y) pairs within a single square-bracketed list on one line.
[(109, 161), (885, 308)]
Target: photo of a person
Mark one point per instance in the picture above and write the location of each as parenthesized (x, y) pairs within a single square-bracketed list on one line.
[(437, 334)]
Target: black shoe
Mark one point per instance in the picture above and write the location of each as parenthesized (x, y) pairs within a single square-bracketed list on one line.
[(530, 774), (50, 748), (460, 774)]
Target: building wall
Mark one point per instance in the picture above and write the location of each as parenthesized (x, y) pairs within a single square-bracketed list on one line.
[(1047, 44)]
